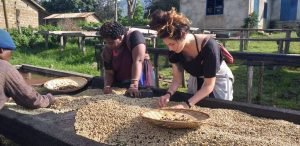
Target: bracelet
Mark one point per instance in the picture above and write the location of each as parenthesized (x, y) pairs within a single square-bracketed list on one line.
[(169, 93), (133, 86), (188, 103)]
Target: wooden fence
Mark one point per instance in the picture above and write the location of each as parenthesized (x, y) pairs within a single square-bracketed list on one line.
[(249, 59), (244, 34)]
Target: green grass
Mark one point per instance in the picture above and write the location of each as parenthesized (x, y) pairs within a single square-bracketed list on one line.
[(264, 46), (71, 59), (281, 86)]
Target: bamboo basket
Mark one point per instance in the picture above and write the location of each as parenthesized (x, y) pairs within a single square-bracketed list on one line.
[(193, 118), (65, 84)]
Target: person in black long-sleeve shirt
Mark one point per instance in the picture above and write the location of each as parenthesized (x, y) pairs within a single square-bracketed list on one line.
[(12, 84)]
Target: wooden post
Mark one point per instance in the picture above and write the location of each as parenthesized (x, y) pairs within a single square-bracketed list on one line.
[(5, 14), (81, 44), (242, 41), (98, 58), (154, 42), (46, 36), (183, 80), (65, 38), (246, 41), (61, 42), (280, 46), (260, 82), (287, 42), (156, 57), (250, 83)]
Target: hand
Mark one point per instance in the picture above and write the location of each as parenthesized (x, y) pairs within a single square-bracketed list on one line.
[(133, 92), (163, 100), (107, 90), (180, 106)]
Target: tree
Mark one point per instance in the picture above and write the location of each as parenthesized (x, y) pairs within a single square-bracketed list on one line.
[(105, 9), (138, 17), (131, 4), (59, 6), (165, 5)]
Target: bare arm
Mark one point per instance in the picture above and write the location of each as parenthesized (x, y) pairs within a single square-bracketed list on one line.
[(176, 81), (138, 55), (177, 70), (206, 89), (108, 77)]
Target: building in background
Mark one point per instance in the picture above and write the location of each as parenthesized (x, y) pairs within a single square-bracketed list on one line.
[(21, 13), (221, 13), (231, 13), (283, 13), (57, 19)]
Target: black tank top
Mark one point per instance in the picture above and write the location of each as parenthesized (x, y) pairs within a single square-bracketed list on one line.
[(206, 64)]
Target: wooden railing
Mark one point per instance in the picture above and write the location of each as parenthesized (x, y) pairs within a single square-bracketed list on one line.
[(248, 59), (244, 34)]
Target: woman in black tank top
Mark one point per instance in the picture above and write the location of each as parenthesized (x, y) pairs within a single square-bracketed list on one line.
[(199, 55)]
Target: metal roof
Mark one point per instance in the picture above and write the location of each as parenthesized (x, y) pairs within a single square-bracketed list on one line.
[(69, 15)]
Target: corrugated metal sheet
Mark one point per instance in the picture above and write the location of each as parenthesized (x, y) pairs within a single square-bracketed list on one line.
[(69, 15)]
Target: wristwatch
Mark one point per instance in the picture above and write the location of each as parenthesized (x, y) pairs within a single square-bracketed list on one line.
[(169, 93)]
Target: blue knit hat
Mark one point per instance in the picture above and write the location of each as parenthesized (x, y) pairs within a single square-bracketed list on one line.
[(6, 41)]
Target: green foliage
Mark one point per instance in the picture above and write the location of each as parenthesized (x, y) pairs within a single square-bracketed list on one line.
[(138, 18), (105, 9), (59, 6), (29, 37), (48, 28), (251, 21), (139, 11), (26, 37), (88, 25), (165, 5)]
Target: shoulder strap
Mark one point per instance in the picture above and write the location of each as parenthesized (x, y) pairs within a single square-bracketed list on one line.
[(197, 43), (204, 41)]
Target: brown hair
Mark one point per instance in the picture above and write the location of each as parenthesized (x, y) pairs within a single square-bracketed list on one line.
[(169, 24)]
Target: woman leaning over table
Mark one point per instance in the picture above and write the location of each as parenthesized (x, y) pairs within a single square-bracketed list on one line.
[(198, 54), (126, 63)]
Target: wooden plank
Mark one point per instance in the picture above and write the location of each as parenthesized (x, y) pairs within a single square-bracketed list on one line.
[(242, 29), (260, 39)]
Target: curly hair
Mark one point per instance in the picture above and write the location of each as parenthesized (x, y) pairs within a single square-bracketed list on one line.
[(112, 30), (169, 24)]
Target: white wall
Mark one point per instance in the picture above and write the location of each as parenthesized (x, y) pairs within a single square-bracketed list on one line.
[(233, 15)]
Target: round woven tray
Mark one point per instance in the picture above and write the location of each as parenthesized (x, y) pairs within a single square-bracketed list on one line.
[(178, 118), (65, 84)]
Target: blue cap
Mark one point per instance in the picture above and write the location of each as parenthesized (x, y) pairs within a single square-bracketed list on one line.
[(6, 41)]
